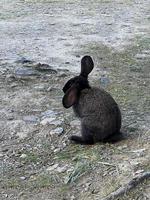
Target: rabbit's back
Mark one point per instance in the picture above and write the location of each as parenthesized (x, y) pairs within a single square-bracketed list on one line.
[(98, 111)]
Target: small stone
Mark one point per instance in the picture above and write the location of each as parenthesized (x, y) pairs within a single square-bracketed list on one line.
[(47, 121), (6, 195), (14, 85), (139, 171), (49, 89), (56, 122), (139, 152), (77, 56), (23, 178), (51, 168), (45, 68), (25, 72), (1, 155), (67, 62), (31, 119), (62, 75), (10, 117), (21, 135), (141, 56), (122, 147), (57, 150), (104, 81), (61, 169), (48, 113), (72, 197), (24, 60), (23, 155), (57, 131)]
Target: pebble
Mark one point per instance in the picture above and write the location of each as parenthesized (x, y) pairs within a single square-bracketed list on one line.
[(31, 119), (56, 122), (24, 60), (139, 171), (23, 155), (23, 178), (51, 168), (48, 113), (122, 147), (1, 155), (141, 56), (25, 72), (47, 121), (57, 150), (61, 169), (21, 135), (57, 131), (104, 81), (139, 152), (10, 117), (44, 68), (14, 85)]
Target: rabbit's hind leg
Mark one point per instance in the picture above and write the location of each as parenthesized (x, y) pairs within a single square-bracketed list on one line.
[(116, 137), (86, 137)]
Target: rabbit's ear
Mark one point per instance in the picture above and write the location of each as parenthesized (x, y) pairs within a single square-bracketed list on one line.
[(70, 97), (87, 65)]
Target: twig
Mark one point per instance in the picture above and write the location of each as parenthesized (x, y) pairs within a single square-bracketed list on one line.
[(106, 163), (130, 185)]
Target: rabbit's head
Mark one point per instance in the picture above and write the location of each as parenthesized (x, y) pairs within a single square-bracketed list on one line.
[(74, 86)]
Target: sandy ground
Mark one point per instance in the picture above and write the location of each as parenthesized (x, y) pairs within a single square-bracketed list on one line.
[(36, 159)]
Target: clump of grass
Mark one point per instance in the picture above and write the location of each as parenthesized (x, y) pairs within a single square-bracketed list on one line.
[(31, 157), (42, 181), (79, 170)]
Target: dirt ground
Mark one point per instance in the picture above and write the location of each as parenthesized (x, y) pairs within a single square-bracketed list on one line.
[(41, 45)]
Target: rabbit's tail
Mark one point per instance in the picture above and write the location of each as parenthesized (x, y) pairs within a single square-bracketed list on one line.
[(116, 137)]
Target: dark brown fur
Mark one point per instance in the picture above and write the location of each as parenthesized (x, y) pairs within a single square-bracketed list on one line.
[(99, 113)]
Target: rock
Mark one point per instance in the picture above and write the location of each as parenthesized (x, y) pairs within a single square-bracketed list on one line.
[(104, 81), (48, 113), (25, 72), (23, 155), (72, 197), (56, 122), (62, 75), (49, 89), (122, 147), (57, 131), (45, 68), (141, 56), (139, 152), (21, 135), (14, 85), (47, 121), (57, 150), (23, 178), (5, 195), (51, 168), (10, 78), (31, 119), (67, 62), (1, 155), (56, 168), (40, 88), (24, 60), (138, 172), (61, 169), (10, 117)]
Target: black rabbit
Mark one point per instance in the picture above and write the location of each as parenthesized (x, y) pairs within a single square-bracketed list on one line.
[(99, 113)]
